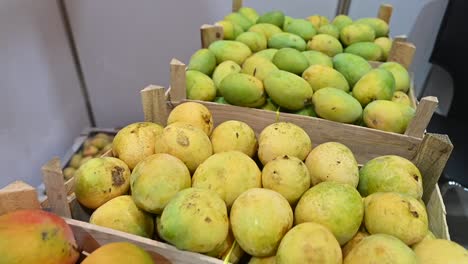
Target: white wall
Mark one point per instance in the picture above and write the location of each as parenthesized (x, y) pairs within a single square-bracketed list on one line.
[(126, 45), (41, 107)]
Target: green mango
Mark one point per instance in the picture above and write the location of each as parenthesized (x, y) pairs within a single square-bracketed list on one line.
[(336, 105), (342, 21), (220, 100), (230, 50), (267, 54), (230, 30), (240, 20), (380, 27), (287, 21), (352, 67), (330, 29), (199, 86), (255, 41), (307, 111), (357, 32), (203, 60), (288, 90), (243, 90), (401, 97), (378, 84), (388, 116), (268, 30), (224, 69), (319, 76), (367, 50), (302, 28), (249, 13), (269, 105), (386, 45), (273, 17), (401, 75), (317, 57), (286, 40), (326, 44), (258, 67), (291, 60)]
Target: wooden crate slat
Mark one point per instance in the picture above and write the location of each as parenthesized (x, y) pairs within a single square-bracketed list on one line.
[(55, 188), (236, 5), (17, 196), (423, 115), (385, 12), (437, 215)]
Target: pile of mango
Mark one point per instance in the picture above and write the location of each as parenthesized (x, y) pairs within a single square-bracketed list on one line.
[(35, 236), (224, 192), (274, 62), (93, 147)]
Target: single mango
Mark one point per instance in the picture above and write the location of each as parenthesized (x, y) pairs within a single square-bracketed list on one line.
[(258, 67), (357, 32), (336, 105), (240, 20), (288, 90), (255, 41), (380, 27), (388, 116), (286, 40), (290, 60), (352, 67), (243, 90), (326, 44), (317, 57), (302, 28), (386, 45), (367, 50), (377, 84), (401, 75), (230, 50), (273, 17), (224, 69), (268, 30), (203, 60), (342, 21), (199, 86), (330, 30), (319, 76)]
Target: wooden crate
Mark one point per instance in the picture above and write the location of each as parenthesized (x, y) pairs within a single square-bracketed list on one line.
[(429, 153)]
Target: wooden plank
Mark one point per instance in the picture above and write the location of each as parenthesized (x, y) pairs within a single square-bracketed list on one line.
[(402, 38), (422, 117), (154, 104), (55, 188), (431, 159), (18, 195), (402, 52), (210, 34), (385, 12), (236, 5), (92, 236), (178, 85), (436, 214), (366, 143), (411, 94)]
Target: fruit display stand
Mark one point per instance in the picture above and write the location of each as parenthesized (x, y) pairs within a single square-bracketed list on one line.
[(429, 154)]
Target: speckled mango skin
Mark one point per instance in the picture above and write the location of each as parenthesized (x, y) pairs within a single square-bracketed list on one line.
[(119, 253), (234, 135), (122, 214), (388, 116), (337, 206), (100, 180), (35, 236), (186, 142), (390, 174), (259, 219), (309, 243), (228, 174), (380, 248), (283, 138), (396, 214), (195, 220), (192, 113), (135, 142), (156, 179)]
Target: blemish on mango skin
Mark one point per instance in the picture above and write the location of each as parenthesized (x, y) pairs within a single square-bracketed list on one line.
[(117, 176)]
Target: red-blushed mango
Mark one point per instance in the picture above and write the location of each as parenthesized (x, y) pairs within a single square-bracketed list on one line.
[(35, 236), (192, 113), (119, 253)]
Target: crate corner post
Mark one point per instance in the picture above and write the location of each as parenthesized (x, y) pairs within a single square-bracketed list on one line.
[(177, 90), (210, 34), (57, 195), (385, 12), (18, 195), (153, 100)]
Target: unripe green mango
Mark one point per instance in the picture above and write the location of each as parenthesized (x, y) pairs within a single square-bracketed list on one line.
[(388, 116), (316, 57), (243, 90), (223, 70), (267, 54), (286, 40), (255, 41), (288, 90), (326, 44), (302, 28), (287, 21), (380, 27), (203, 60), (367, 50), (268, 30), (199, 86), (273, 17), (336, 105), (401, 75), (240, 20), (230, 50), (386, 45), (342, 21), (378, 84), (356, 32), (329, 29), (319, 76), (291, 60), (352, 67), (249, 13), (307, 111), (258, 67)]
